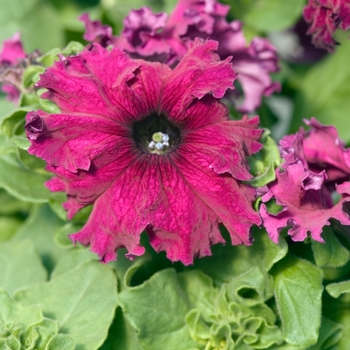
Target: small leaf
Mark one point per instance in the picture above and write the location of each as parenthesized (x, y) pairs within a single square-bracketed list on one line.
[(13, 314), (332, 253), (157, 309), (12, 121), (74, 299), (73, 261), (8, 227), (40, 227), (329, 335), (31, 75), (22, 183), (230, 261), (20, 265), (298, 290), (336, 289), (262, 164), (61, 342), (121, 335)]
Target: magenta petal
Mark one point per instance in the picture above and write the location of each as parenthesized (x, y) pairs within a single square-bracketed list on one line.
[(73, 141), (324, 150), (74, 83), (142, 25), (325, 17), (95, 32), (12, 50), (199, 73), (225, 145), (254, 66), (304, 208), (12, 93), (221, 193)]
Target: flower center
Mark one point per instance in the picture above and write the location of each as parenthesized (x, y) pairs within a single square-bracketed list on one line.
[(156, 135)]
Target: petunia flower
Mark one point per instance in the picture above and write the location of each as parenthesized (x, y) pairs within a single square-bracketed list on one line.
[(10, 71), (152, 148), (325, 17), (301, 186), (253, 63), (163, 38), (96, 32)]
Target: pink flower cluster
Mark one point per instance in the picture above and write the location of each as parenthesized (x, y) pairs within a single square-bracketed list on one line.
[(151, 147), (325, 17), (316, 164), (163, 38)]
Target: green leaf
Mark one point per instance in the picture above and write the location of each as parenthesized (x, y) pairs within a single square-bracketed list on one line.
[(121, 335), (20, 265), (324, 92), (262, 164), (22, 183), (61, 342), (61, 235), (5, 107), (15, 315), (40, 227), (298, 290), (329, 335), (157, 310), (336, 289), (233, 316), (8, 227), (83, 301), (199, 290), (31, 75), (11, 122), (230, 261), (73, 261), (267, 15), (332, 253)]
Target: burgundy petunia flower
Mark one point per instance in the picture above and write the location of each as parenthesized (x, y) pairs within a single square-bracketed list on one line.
[(253, 63), (152, 148), (302, 187), (157, 37), (10, 72), (325, 17), (96, 32)]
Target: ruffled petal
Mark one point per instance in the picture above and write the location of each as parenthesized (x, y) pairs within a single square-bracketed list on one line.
[(305, 208), (226, 144), (90, 82), (95, 31), (231, 201), (75, 141), (325, 17), (325, 151), (254, 66), (84, 187), (199, 73)]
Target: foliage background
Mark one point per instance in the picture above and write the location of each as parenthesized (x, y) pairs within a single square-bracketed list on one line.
[(56, 296)]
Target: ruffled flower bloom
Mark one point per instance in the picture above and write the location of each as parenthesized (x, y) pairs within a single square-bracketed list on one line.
[(11, 55), (152, 148), (302, 187), (157, 37), (325, 17), (96, 32)]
